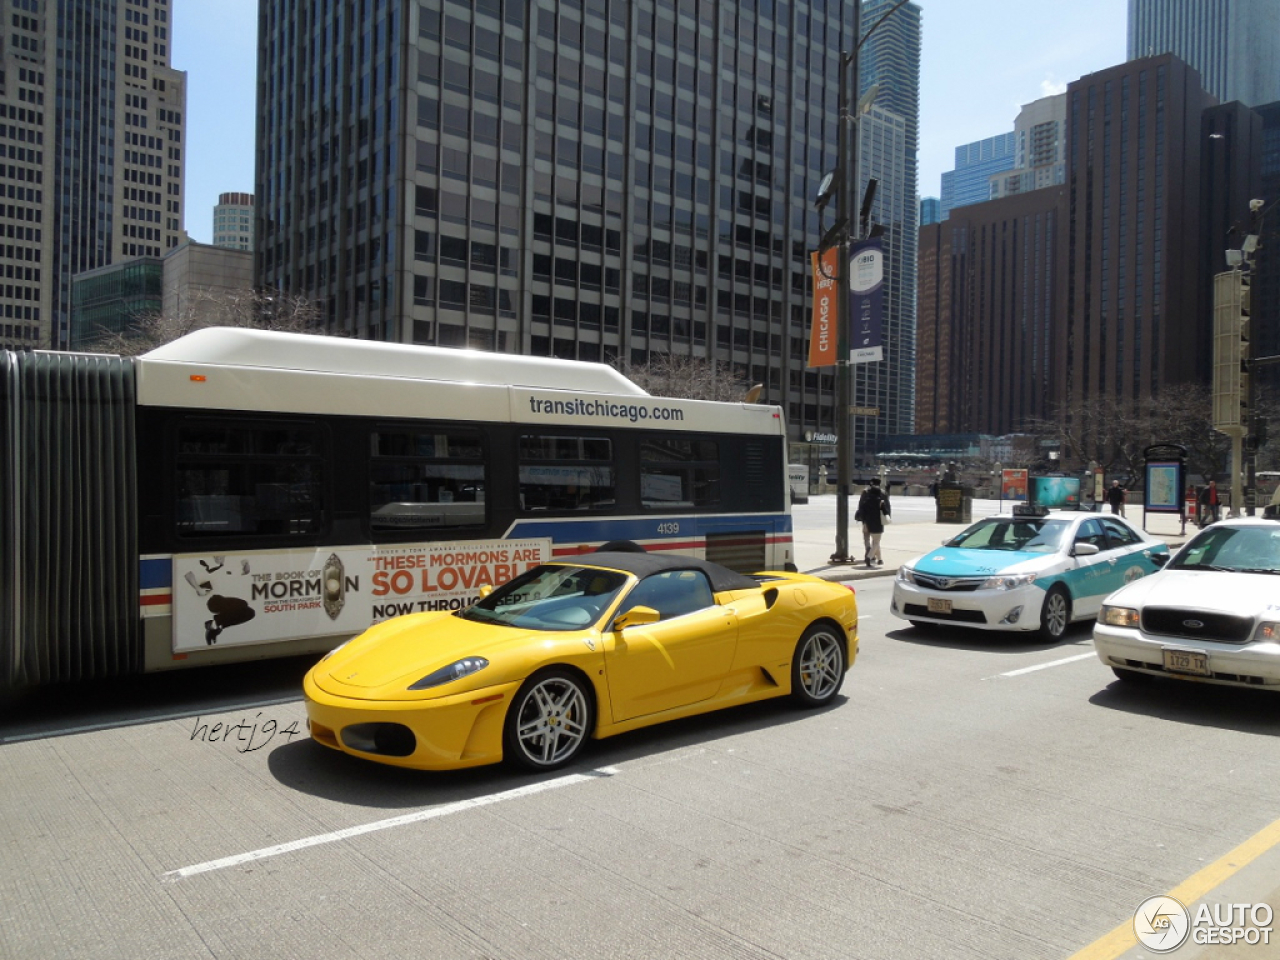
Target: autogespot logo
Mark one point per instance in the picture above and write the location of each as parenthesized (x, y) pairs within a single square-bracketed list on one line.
[(1161, 924)]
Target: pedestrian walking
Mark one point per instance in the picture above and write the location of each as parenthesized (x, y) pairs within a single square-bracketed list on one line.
[(1209, 503), (873, 511), (1116, 497)]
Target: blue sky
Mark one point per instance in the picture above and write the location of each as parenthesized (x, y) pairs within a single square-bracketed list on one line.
[(982, 60)]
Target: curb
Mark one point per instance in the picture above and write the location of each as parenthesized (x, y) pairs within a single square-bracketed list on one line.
[(838, 575)]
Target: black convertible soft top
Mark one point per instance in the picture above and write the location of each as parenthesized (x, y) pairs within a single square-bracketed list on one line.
[(642, 564)]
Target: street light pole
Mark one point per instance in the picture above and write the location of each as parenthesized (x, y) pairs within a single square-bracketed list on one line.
[(851, 108), (847, 130)]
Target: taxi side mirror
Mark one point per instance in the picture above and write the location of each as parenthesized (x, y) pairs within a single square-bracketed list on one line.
[(636, 615), (1159, 559), (1084, 549)]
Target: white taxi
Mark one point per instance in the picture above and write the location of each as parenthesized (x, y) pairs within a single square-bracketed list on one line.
[(1030, 570), (1212, 614)]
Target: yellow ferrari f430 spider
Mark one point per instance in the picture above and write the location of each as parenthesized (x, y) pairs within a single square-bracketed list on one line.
[(580, 648)]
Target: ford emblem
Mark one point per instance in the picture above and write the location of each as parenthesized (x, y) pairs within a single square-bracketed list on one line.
[(1193, 624)]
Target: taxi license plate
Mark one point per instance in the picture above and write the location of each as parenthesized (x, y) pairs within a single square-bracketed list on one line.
[(939, 605), (1186, 661)]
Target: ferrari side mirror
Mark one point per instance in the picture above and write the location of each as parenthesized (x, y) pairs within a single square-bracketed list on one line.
[(636, 615)]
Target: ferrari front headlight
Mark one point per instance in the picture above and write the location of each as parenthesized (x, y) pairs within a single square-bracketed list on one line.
[(1008, 581), (1119, 616), (454, 671)]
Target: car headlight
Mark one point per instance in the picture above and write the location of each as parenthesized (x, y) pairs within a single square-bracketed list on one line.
[(906, 574), (454, 671), (1268, 630), (1119, 616), (1008, 581)]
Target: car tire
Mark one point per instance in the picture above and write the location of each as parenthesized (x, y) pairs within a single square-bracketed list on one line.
[(549, 720), (1131, 676), (1055, 613), (818, 666)]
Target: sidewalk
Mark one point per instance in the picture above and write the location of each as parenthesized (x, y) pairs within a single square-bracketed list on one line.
[(905, 541)]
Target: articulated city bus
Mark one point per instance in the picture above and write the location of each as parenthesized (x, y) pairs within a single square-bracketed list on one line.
[(243, 494)]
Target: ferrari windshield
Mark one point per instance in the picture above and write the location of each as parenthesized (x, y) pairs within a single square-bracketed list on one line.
[(550, 597), (1028, 534), (1234, 549)]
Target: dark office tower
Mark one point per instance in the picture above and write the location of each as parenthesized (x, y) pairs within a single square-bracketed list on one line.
[(1234, 44), (990, 276), (1131, 325), (580, 178), (91, 119)]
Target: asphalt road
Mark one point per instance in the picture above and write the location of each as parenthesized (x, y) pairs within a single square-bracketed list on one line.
[(968, 796)]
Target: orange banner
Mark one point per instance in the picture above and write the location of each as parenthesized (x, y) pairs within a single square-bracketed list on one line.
[(824, 338)]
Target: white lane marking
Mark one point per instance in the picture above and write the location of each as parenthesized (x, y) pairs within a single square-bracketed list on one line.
[(1044, 666), (443, 811)]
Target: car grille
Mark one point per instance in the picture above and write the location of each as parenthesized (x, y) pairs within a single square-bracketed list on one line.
[(938, 582), (913, 610), (1196, 625)]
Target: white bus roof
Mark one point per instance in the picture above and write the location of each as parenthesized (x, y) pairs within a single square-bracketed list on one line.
[(224, 368), (239, 347)]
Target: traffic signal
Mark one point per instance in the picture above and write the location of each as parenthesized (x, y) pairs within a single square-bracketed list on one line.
[(1245, 393), (1231, 309), (1257, 436)]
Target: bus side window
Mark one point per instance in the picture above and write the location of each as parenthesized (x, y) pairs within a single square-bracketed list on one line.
[(679, 472), (425, 477), (566, 473), (249, 478)]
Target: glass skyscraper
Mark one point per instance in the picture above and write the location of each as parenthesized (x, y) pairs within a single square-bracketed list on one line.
[(970, 181), (591, 179), (1233, 44)]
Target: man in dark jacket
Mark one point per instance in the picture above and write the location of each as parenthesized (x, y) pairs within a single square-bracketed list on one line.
[(873, 507), (1116, 497)]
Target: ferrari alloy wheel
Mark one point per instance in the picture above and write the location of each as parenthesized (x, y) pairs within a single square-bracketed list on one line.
[(817, 669), (1055, 615), (549, 721)]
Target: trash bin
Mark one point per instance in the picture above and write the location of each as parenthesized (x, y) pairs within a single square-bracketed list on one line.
[(954, 503)]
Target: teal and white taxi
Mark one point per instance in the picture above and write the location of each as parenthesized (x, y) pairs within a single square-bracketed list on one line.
[(1030, 570)]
